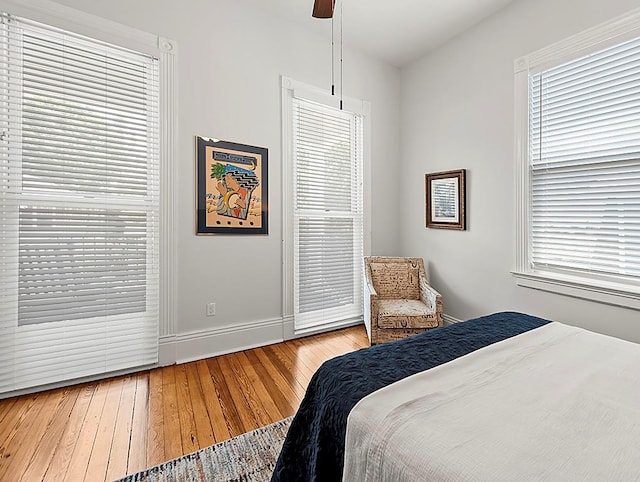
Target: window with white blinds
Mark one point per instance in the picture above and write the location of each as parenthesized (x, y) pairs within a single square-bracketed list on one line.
[(328, 214), (584, 149), (79, 206)]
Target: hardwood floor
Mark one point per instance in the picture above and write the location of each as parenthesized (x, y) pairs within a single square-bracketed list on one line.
[(107, 429)]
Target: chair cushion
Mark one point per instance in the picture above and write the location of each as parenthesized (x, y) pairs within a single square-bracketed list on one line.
[(405, 314)]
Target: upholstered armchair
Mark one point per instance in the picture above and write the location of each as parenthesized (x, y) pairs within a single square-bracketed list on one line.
[(398, 300)]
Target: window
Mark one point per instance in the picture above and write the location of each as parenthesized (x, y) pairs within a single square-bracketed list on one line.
[(79, 205), (579, 172), (325, 179)]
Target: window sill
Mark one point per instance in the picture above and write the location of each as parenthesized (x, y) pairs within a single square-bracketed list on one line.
[(617, 294)]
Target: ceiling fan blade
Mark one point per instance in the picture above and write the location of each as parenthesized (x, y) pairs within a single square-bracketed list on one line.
[(323, 8)]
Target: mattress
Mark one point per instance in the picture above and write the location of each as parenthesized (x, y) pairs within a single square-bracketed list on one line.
[(554, 403)]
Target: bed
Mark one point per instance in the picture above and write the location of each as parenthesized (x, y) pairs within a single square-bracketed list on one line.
[(315, 444), (502, 397)]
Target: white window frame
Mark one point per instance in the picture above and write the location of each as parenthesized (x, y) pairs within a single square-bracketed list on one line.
[(613, 292), (290, 89), (166, 50)]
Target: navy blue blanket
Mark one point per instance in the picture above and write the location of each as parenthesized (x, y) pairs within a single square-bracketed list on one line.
[(314, 447)]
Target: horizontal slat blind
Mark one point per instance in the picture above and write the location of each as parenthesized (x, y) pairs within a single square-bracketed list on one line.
[(79, 206), (585, 164), (328, 214), (80, 263)]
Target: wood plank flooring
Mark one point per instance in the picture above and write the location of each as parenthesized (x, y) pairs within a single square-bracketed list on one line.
[(110, 428)]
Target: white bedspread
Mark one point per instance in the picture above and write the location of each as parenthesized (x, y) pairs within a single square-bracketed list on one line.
[(555, 403)]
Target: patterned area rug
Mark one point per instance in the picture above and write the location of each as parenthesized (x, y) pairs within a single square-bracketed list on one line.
[(250, 457)]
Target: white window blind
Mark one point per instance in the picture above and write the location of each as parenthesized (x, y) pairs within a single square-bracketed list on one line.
[(584, 151), (79, 206), (328, 214)]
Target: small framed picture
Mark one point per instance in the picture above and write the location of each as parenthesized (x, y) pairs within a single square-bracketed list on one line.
[(446, 199), (231, 187)]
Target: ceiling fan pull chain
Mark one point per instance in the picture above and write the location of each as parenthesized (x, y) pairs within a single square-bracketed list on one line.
[(341, 56), (333, 75), (325, 9)]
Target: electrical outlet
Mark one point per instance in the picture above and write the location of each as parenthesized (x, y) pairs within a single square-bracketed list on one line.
[(211, 309)]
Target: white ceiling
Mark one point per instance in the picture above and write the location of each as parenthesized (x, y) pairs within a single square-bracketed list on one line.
[(396, 31)]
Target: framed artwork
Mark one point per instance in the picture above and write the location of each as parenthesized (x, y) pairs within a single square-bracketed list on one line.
[(446, 199), (232, 196)]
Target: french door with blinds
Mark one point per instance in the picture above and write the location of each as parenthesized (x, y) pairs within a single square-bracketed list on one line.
[(79, 206), (327, 214)]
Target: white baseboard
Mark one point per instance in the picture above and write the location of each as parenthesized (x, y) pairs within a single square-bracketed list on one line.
[(449, 320), (167, 350), (196, 345)]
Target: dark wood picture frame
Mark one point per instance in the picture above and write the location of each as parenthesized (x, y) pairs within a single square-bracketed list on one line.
[(446, 198), (232, 187)]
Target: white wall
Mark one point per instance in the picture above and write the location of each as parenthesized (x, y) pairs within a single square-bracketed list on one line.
[(230, 59), (457, 112)]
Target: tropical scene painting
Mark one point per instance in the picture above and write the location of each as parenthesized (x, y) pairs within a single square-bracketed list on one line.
[(232, 187)]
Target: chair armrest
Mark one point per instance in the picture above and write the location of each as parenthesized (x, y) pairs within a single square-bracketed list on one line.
[(370, 290), (370, 308), (430, 297)]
